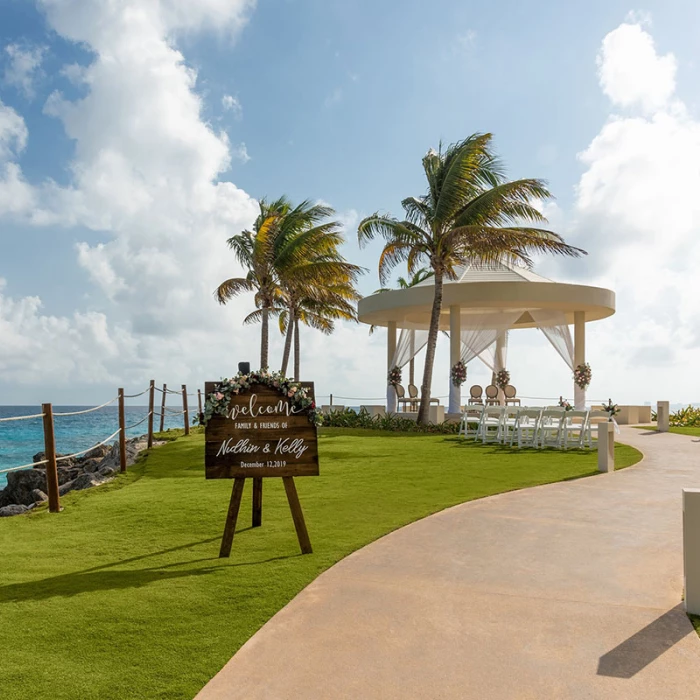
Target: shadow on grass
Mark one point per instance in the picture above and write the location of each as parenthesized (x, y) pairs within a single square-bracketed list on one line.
[(69, 585), (98, 578)]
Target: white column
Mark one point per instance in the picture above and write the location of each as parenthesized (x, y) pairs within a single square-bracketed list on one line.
[(606, 447), (579, 355), (691, 550), (662, 416), (390, 352), (500, 360), (455, 355)]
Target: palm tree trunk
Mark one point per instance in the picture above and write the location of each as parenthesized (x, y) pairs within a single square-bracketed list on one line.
[(296, 349), (423, 410), (264, 339), (288, 343)]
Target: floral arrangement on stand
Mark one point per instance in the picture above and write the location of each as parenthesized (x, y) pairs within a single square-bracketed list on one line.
[(611, 409), (218, 401), (583, 376), (459, 373), (563, 403), (394, 376), (502, 378)]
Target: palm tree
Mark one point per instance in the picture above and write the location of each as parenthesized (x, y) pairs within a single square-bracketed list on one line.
[(257, 251), (418, 276), (318, 307), (316, 282), (469, 213)]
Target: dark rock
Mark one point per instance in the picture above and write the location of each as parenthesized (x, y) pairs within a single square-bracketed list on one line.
[(20, 485), (66, 475), (14, 509), (39, 496), (40, 456), (107, 471), (97, 452), (91, 465), (5, 499), (84, 481)]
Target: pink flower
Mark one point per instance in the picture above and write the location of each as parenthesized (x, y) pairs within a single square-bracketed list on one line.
[(290, 393), (218, 396), (292, 390)]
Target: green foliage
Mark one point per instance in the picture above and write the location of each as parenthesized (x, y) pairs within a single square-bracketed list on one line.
[(122, 596), (685, 417), (393, 423)]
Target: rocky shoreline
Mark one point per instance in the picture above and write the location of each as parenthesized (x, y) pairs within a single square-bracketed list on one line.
[(26, 488)]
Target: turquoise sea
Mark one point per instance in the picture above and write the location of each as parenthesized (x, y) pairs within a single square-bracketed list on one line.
[(21, 440)]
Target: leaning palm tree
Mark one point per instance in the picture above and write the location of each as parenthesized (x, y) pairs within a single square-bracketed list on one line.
[(257, 251), (469, 213), (319, 307)]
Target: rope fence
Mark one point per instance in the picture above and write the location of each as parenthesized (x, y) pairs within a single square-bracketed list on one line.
[(53, 459), (88, 410), (36, 415), (82, 452), (24, 466)]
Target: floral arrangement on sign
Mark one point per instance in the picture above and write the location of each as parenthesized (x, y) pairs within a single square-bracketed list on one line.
[(218, 401), (459, 373), (583, 376), (563, 403), (611, 409), (502, 378), (394, 376)]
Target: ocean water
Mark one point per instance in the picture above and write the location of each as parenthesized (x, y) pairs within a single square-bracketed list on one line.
[(21, 440)]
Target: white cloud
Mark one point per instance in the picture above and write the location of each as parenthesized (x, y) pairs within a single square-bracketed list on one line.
[(23, 64), (638, 215), (145, 172), (232, 104), (241, 153), (632, 73)]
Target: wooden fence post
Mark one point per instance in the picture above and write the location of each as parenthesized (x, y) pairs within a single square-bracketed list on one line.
[(199, 399), (151, 399), (186, 413), (162, 408), (50, 456), (122, 433)]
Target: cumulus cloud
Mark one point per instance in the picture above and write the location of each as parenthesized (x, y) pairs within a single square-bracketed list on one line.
[(23, 66), (638, 215), (146, 172), (632, 73)]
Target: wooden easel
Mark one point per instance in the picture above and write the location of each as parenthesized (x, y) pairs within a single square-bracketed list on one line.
[(235, 505)]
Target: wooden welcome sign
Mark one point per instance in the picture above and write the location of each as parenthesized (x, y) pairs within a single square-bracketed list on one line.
[(263, 434)]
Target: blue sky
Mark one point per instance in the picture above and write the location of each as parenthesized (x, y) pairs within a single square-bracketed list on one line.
[(332, 100)]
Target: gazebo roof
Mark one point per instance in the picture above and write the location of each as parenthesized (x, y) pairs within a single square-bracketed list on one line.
[(487, 289), (494, 272)]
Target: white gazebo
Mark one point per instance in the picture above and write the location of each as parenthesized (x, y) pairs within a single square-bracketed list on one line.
[(478, 310)]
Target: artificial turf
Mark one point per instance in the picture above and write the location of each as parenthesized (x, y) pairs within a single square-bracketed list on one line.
[(695, 432), (122, 594)]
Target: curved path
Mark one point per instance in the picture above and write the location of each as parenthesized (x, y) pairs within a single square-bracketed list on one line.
[(566, 591)]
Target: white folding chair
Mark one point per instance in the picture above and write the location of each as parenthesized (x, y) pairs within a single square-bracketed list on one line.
[(510, 416), (490, 428), (551, 427), (471, 421), (526, 427), (574, 429), (594, 418)]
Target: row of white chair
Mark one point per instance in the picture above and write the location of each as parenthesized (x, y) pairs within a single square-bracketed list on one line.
[(531, 427)]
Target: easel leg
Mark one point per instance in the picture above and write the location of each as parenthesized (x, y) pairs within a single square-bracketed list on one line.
[(257, 501), (297, 515), (231, 517)]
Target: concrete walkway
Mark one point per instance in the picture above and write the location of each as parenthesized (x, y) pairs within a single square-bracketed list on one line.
[(567, 591)]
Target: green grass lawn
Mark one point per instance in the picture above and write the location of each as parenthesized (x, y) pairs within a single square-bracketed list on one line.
[(695, 432), (122, 594)]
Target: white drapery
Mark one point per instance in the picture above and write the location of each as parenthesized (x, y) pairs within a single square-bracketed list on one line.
[(409, 344), (554, 326)]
